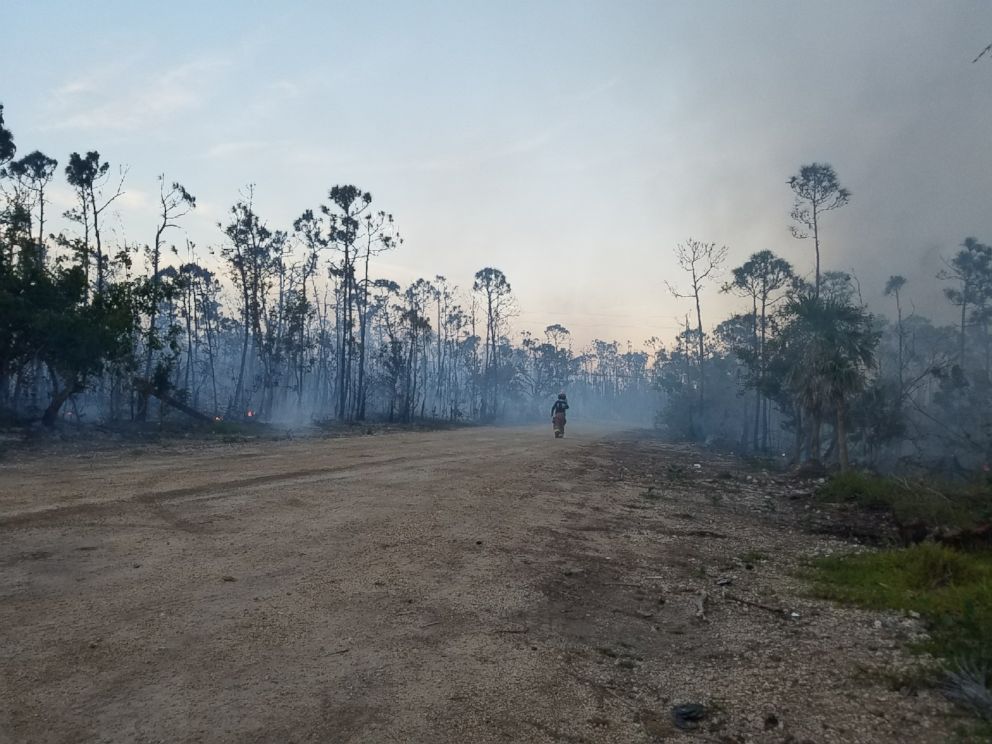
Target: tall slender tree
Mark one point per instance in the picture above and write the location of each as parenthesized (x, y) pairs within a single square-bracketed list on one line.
[(893, 287), (36, 171), (817, 190), (249, 255), (971, 270), (495, 291), (175, 202), (702, 261), (378, 237), (345, 209), (88, 176), (759, 278)]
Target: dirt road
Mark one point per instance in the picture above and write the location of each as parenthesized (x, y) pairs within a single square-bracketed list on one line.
[(483, 585)]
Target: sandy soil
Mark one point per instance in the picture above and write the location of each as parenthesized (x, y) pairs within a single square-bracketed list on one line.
[(482, 585)]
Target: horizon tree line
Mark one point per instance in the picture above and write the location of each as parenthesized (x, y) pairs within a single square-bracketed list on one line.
[(269, 324), (294, 325)]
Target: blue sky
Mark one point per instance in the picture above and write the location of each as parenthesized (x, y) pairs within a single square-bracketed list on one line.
[(569, 144)]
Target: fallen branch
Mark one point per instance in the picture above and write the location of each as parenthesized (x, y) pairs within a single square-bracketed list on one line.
[(749, 603), (146, 388)]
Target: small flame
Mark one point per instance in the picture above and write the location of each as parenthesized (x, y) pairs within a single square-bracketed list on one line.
[(218, 418), (251, 413)]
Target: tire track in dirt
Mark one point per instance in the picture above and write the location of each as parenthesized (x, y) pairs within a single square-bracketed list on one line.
[(207, 491)]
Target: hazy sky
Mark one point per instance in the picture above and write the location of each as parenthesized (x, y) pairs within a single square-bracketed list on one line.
[(570, 144)]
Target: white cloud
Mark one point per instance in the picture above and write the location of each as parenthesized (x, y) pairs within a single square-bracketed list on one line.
[(134, 200), (208, 210), (73, 87), (99, 100), (476, 155), (61, 197)]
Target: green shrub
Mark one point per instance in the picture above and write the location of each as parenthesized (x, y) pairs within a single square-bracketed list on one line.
[(933, 504), (951, 590)]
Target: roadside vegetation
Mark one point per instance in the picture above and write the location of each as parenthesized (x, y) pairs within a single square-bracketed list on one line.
[(949, 588), (943, 575), (928, 504)]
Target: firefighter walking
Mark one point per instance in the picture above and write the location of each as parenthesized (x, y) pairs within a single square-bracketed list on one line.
[(558, 415)]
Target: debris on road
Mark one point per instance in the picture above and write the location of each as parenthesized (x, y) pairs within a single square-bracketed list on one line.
[(701, 605), (688, 715)]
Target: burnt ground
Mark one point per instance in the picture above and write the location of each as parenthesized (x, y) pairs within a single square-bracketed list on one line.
[(478, 585)]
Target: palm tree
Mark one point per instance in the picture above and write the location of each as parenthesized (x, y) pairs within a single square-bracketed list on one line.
[(835, 345)]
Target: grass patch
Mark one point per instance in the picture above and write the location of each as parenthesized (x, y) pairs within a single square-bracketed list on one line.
[(960, 505), (968, 733), (951, 590)]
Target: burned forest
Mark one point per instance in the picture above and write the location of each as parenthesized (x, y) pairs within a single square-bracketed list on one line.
[(280, 325), (295, 325), (481, 373)]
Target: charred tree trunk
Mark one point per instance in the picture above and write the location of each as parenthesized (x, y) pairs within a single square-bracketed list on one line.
[(841, 436), (59, 397), (148, 389)]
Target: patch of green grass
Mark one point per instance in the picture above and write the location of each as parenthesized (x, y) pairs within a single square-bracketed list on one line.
[(933, 504), (968, 733), (951, 590)]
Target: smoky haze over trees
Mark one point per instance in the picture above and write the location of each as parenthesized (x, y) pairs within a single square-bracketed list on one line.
[(285, 325), (297, 325), (806, 373)]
